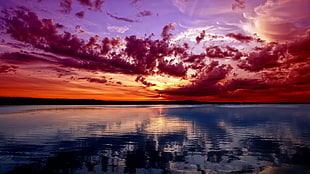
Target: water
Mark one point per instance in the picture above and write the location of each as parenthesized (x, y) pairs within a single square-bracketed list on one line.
[(211, 139)]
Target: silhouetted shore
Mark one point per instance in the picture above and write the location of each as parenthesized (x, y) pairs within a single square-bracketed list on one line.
[(43, 101)]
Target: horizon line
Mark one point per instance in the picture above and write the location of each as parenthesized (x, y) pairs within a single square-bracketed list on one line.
[(67, 101)]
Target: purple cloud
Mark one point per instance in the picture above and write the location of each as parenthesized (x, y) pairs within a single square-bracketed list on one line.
[(121, 18), (240, 37), (85, 2), (201, 36), (238, 4), (165, 33), (266, 57), (279, 65), (144, 13), (80, 14), (206, 84), (66, 5), (98, 4)]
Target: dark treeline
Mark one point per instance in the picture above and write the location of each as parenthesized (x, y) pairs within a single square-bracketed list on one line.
[(48, 101)]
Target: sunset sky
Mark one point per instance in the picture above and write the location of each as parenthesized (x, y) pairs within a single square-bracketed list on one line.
[(207, 50)]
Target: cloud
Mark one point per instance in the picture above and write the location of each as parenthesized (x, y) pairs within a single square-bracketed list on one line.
[(300, 49), (63, 71), (98, 4), (198, 8), (240, 37), (134, 2), (121, 18), (300, 75), (21, 58), (238, 4), (94, 80), (85, 2), (206, 84), (243, 67), (79, 29), (137, 49), (95, 5), (165, 32), (281, 20), (201, 36), (267, 57), (143, 81), (80, 14), (7, 68), (177, 69), (215, 51), (144, 13), (27, 27), (117, 29), (273, 55), (66, 5), (93, 54), (252, 84)]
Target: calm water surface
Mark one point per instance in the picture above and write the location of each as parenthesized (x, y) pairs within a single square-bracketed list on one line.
[(210, 139)]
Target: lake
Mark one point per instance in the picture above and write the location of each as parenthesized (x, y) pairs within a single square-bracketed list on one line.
[(202, 139)]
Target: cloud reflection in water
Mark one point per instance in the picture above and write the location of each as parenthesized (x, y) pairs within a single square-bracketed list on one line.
[(155, 139)]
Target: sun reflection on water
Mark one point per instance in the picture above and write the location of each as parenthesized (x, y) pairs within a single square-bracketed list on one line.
[(156, 139)]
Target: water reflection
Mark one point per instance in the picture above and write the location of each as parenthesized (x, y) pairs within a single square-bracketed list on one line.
[(155, 139)]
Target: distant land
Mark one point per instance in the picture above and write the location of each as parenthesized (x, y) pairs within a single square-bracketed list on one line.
[(49, 101)]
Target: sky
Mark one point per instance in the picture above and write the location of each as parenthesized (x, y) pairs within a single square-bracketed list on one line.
[(206, 50)]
